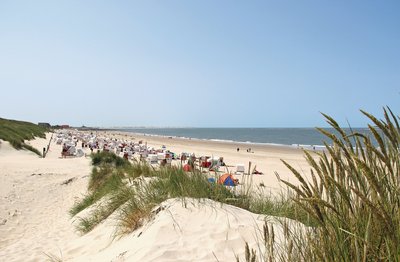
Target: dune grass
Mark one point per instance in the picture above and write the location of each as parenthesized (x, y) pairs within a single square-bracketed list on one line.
[(106, 177), (353, 196), (16, 132), (116, 180)]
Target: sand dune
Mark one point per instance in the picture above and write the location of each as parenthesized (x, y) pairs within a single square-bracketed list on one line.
[(35, 224), (189, 230)]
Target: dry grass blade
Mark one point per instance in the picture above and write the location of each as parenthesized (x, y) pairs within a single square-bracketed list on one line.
[(383, 127), (372, 179), (376, 210), (320, 202), (394, 118)]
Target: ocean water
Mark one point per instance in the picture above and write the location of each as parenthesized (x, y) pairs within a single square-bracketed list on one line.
[(275, 136)]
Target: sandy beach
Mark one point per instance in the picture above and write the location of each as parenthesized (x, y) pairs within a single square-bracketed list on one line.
[(266, 158), (36, 194)]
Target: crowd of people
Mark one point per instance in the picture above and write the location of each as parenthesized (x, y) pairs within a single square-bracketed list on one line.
[(128, 149)]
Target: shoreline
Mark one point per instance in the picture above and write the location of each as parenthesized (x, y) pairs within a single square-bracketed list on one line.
[(222, 141), (306, 146), (198, 142)]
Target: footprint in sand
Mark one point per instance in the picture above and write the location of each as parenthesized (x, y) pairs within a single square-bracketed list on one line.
[(13, 213)]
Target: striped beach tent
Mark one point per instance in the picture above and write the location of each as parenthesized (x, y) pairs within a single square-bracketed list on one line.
[(227, 180)]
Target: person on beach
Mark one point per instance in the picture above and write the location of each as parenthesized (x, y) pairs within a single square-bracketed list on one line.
[(64, 151), (237, 150), (256, 172), (221, 162), (192, 160)]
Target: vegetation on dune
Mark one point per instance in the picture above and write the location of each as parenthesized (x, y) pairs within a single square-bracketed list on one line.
[(115, 181), (16, 132), (134, 189), (353, 196)]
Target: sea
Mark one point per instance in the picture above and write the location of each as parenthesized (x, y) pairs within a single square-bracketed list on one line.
[(304, 137)]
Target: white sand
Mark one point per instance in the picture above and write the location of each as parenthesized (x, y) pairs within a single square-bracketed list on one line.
[(33, 202), (34, 219)]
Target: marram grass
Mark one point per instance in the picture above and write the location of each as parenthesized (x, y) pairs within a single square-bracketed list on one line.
[(353, 196), (16, 132)]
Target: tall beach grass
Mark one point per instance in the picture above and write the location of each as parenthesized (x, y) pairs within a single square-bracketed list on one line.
[(353, 196)]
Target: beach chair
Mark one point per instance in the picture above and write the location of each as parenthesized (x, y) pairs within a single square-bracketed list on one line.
[(240, 169), (152, 159), (79, 153), (161, 156)]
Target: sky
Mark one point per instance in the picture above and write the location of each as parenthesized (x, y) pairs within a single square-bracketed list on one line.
[(200, 63)]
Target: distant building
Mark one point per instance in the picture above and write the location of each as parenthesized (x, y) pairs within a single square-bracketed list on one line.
[(60, 126), (47, 125)]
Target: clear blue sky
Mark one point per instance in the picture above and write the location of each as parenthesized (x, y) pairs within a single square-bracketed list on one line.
[(198, 63)]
